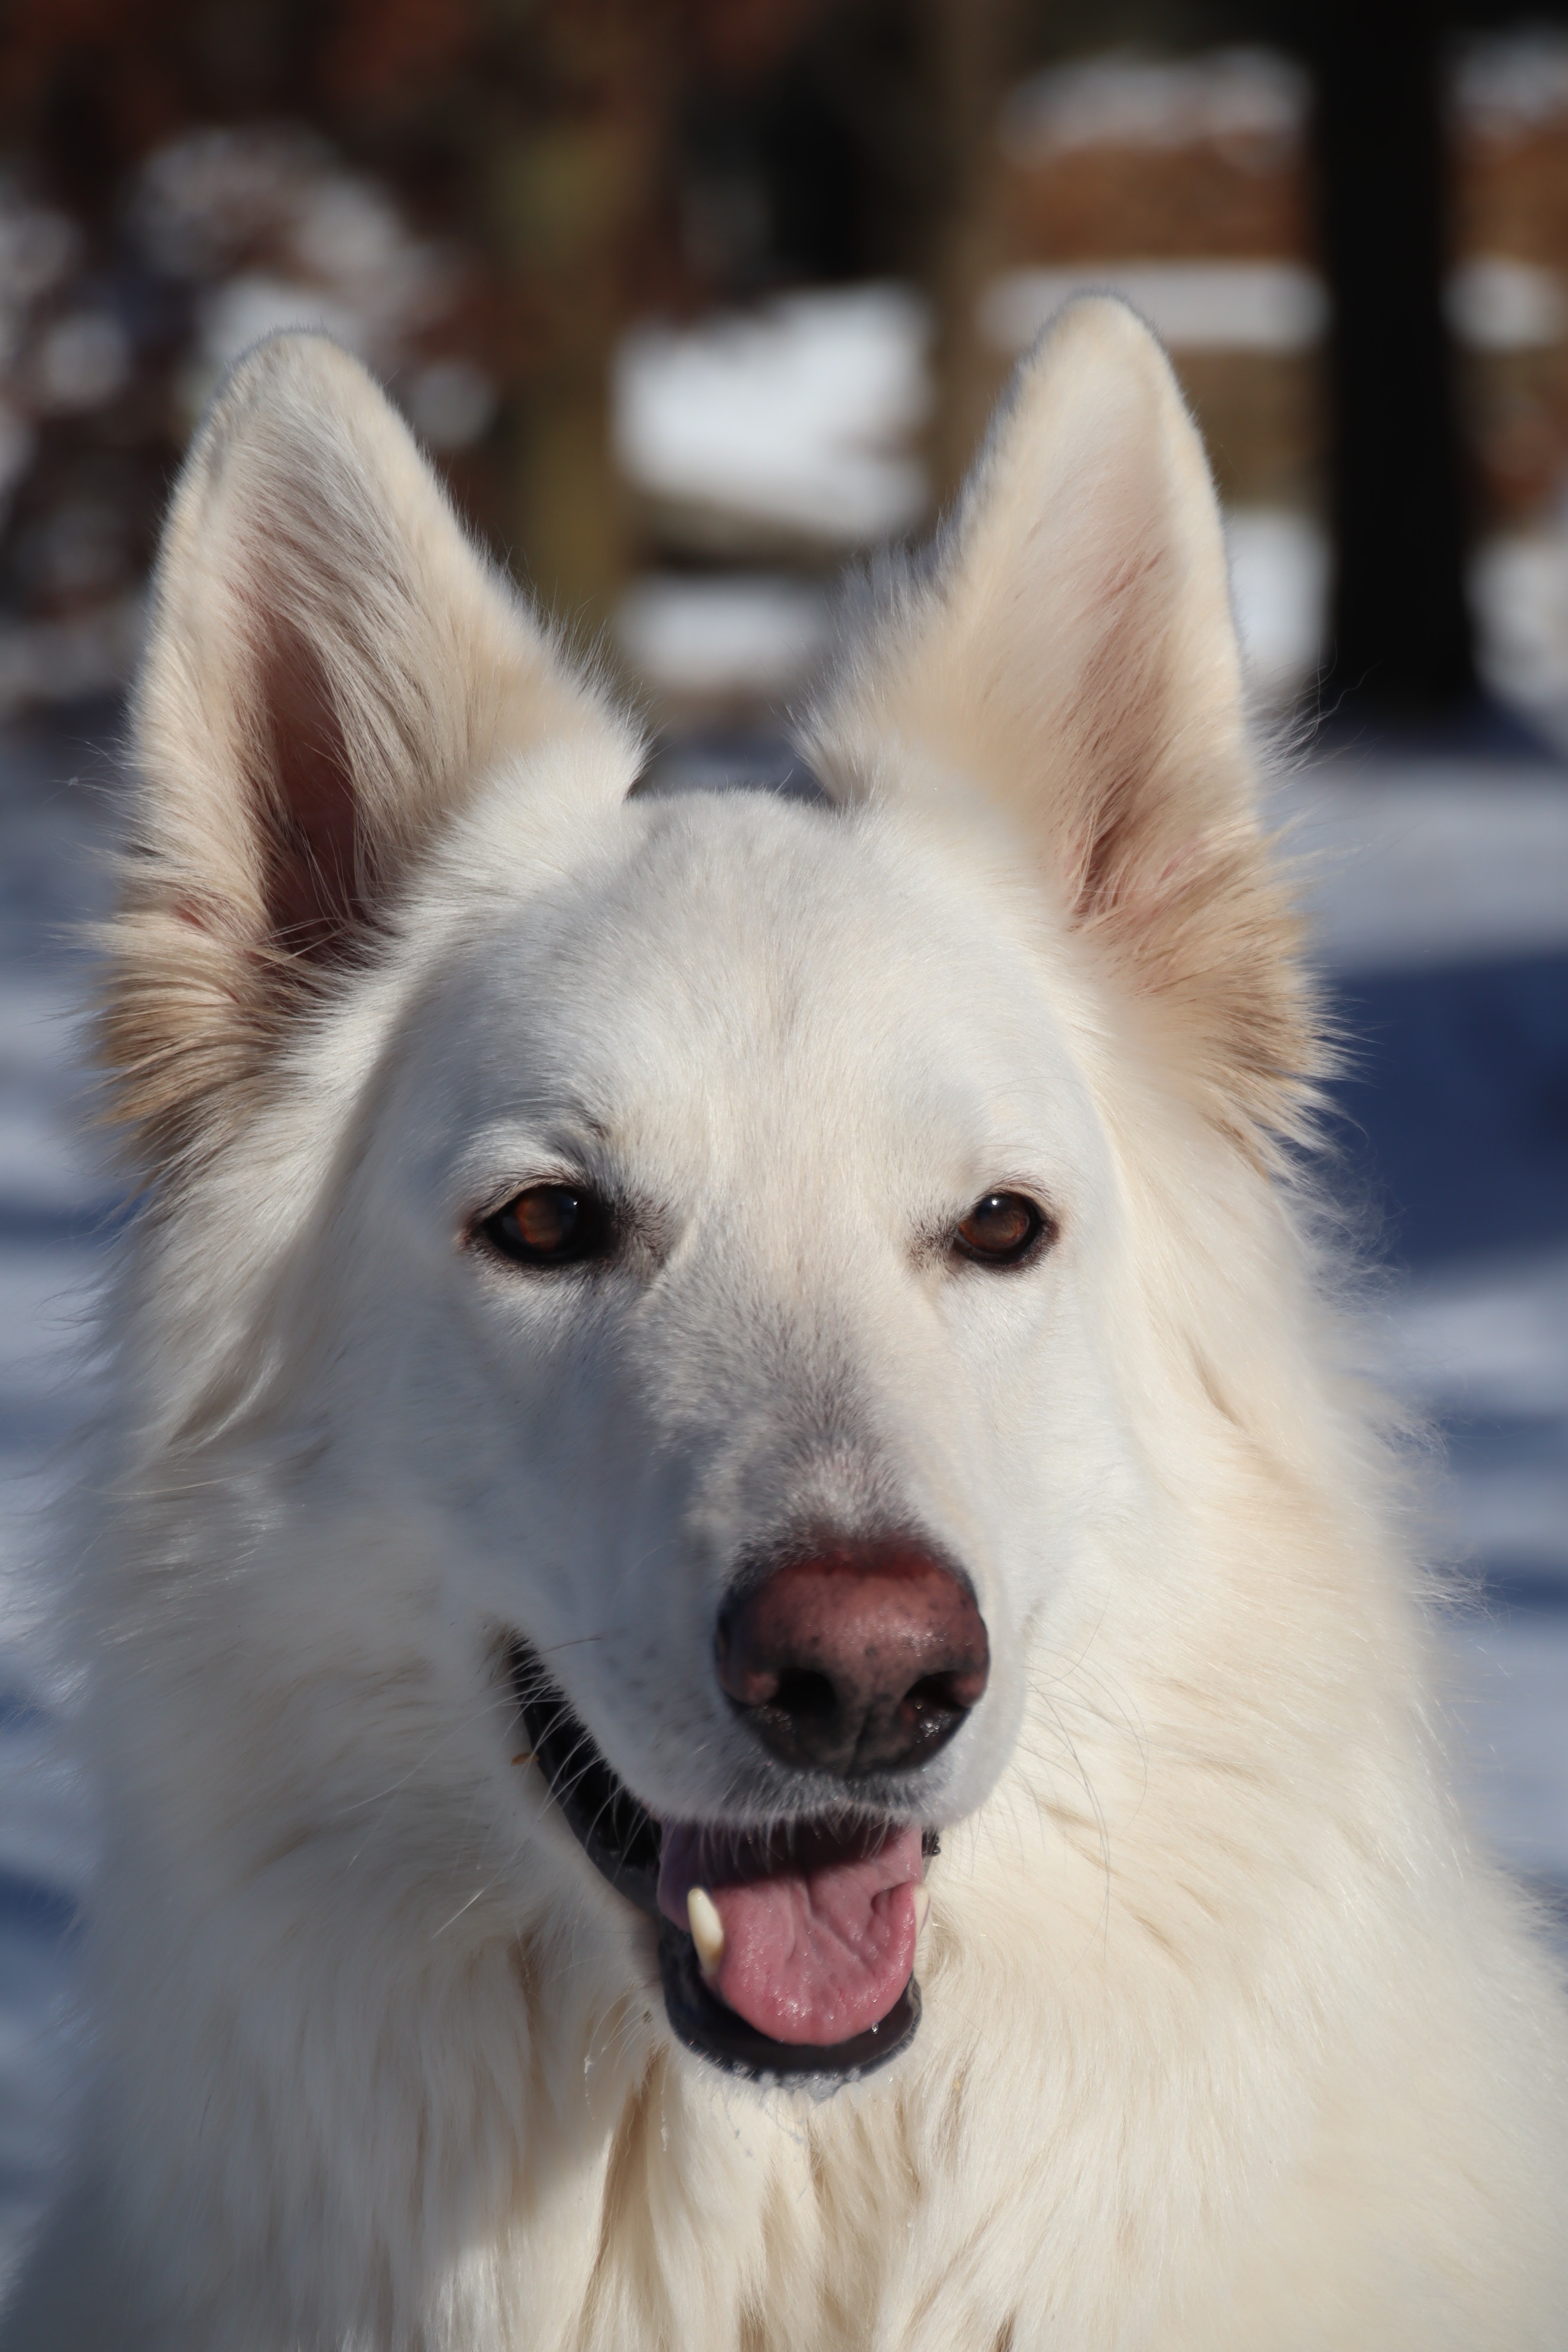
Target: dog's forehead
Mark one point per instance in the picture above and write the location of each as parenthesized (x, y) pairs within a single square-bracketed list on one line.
[(741, 949)]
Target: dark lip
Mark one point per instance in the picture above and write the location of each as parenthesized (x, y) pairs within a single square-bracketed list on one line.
[(621, 1838)]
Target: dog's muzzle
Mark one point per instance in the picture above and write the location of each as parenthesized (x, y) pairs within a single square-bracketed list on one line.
[(626, 1845)]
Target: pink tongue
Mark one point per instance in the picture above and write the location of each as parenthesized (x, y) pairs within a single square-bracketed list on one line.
[(819, 1926)]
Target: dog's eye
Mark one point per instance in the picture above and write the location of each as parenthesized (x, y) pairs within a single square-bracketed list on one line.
[(550, 1224), (1003, 1229)]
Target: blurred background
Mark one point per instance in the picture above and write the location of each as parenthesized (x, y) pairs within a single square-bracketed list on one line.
[(696, 302)]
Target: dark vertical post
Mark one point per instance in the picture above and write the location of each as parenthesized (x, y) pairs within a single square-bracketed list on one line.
[(1401, 643), (968, 53)]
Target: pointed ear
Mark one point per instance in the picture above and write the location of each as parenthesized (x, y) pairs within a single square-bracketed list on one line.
[(1072, 653), (330, 669)]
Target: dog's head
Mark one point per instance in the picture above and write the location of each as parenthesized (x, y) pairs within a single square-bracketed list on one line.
[(659, 1271)]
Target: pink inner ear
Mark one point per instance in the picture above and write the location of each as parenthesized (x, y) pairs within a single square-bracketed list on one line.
[(317, 894)]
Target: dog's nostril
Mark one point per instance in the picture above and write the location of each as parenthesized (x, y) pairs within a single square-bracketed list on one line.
[(804, 1696), (940, 1694), (858, 1658)]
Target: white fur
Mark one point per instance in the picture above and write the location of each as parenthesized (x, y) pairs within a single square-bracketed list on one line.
[(1231, 2039)]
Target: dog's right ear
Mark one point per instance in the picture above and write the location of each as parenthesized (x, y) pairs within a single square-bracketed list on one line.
[(331, 667), (1073, 656)]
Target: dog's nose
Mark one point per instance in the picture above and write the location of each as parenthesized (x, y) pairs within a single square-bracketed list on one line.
[(857, 1658)]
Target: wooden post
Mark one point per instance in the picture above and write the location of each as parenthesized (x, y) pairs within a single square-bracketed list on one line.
[(970, 54), (1401, 626), (573, 154)]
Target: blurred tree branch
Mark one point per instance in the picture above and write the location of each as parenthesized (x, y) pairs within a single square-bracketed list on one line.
[(539, 131)]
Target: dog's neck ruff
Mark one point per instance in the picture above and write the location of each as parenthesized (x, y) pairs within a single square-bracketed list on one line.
[(625, 1844)]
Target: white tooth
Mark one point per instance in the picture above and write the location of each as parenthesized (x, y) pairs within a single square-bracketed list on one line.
[(922, 1905), (707, 1928)]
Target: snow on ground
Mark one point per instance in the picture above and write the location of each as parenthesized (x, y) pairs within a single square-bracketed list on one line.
[(54, 1199), (1421, 873), (1433, 862), (1483, 1349), (1428, 875), (1487, 1343)]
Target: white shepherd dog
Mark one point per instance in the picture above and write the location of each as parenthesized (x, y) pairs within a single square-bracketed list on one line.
[(755, 1682)]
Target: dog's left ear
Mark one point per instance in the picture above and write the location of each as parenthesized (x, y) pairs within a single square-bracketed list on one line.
[(1072, 653), (332, 667)]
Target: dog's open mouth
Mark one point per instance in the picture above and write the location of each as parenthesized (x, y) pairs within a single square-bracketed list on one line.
[(808, 1932)]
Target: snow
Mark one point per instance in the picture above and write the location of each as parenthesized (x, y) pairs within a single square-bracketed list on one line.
[(1416, 864), (1278, 585), (1215, 306), (1431, 867), (1481, 1349), (1508, 86), (1124, 98), (1510, 1708), (739, 634), (1496, 304), (800, 414), (54, 1196)]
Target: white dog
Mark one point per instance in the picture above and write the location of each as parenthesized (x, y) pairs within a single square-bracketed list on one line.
[(754, 1683)]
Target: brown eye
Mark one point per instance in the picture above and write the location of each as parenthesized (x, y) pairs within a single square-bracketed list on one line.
[(550, 1224), (1001, 1230)]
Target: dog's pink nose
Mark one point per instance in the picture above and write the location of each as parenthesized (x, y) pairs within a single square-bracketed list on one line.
[(860, 1658)]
